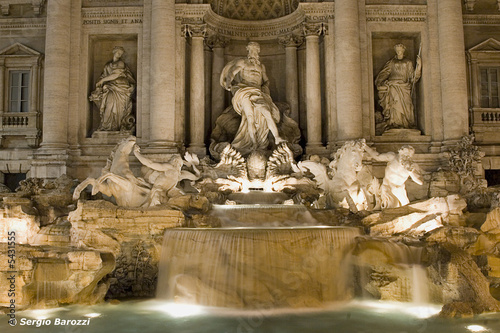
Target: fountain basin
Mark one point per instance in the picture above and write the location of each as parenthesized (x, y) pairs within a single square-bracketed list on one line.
[(256, 268)]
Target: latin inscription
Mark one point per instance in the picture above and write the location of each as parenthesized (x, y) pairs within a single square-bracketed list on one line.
[(112, 21)]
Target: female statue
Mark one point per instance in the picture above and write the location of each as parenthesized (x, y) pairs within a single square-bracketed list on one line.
[(395, 83), (113, 94)]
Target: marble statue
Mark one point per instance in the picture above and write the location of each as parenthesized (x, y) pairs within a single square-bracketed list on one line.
[(399, 168), (247, 80), (395, 84), (349, 186), (117, 180), (270, 174), (113, 95), (163, 177)]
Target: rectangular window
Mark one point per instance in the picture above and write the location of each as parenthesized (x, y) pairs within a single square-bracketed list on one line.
[(489, 87), (19, 91)]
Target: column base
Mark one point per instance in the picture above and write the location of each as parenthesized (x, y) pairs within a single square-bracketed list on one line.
[(162, 147), (199, 150), (316, 148), (49, 162)]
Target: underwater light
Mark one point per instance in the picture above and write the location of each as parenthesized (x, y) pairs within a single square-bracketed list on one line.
[(93, 315), (423, 312), (418, 311), (176, 310), (477, 328), (42, 314)]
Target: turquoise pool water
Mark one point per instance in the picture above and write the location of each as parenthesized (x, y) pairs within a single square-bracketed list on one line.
[(155, 316)]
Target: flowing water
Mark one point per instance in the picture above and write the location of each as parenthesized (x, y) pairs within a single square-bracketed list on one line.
[(163, 317), (256, 268), (263, 216)]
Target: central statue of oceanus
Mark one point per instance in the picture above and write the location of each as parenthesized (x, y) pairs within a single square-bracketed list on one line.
[(253, 122)]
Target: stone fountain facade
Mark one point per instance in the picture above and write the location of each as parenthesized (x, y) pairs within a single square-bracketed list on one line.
[(360, 111)]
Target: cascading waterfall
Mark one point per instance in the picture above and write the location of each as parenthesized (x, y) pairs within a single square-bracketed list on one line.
[(256, 267), (393, 267), (50, 278), (263, 215)]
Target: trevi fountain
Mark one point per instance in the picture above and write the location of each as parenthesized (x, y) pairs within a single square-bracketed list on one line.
[(263, 229)]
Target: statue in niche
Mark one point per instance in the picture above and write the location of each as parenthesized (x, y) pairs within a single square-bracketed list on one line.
[(399, 168), (247, 80), (113, 95), (395, 84)]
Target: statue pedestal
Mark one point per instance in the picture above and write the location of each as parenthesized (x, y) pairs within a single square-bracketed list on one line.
[(393, 139), (109, 137)]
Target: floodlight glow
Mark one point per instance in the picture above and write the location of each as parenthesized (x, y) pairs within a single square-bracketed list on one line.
[(423, 311), (93, 315), (477, 328), (179, 310)]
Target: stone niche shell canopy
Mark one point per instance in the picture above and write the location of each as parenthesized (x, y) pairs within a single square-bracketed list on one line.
[(253, 10)]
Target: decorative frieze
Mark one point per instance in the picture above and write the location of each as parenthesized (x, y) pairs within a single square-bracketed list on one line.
[(472, 19), (22, 23), (116, 15), (388, 13), (322, 11), (191, 13), (108, 3)]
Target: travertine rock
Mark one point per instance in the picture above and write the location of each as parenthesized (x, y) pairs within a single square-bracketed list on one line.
[(132, 236), (54, 275), (18, 215), (418, 218)]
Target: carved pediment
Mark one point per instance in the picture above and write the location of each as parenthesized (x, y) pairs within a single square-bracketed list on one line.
[(19, 49), (490, 44)]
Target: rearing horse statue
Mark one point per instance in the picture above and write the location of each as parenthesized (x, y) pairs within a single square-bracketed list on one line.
[(117, 180)]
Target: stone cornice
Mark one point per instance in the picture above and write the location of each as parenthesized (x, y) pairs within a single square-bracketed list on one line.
[(191, 13), (257, 30), (476, 19), (318, 11), (23, 23), (396, 13), (112, 12), (107, 3)]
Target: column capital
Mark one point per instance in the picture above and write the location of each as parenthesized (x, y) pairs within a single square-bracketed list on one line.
[(314, 28), (291, 40), (469, 5), (194, 30), (215, 41)]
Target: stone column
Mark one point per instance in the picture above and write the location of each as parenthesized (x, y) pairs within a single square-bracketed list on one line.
[(2, 80), (217, 43), (291, 42), (348, 70), (312, 32), (50, 160), (330, 86), (197, 89), (162, 85), (453, 71), (34, 86), (56, 80)]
